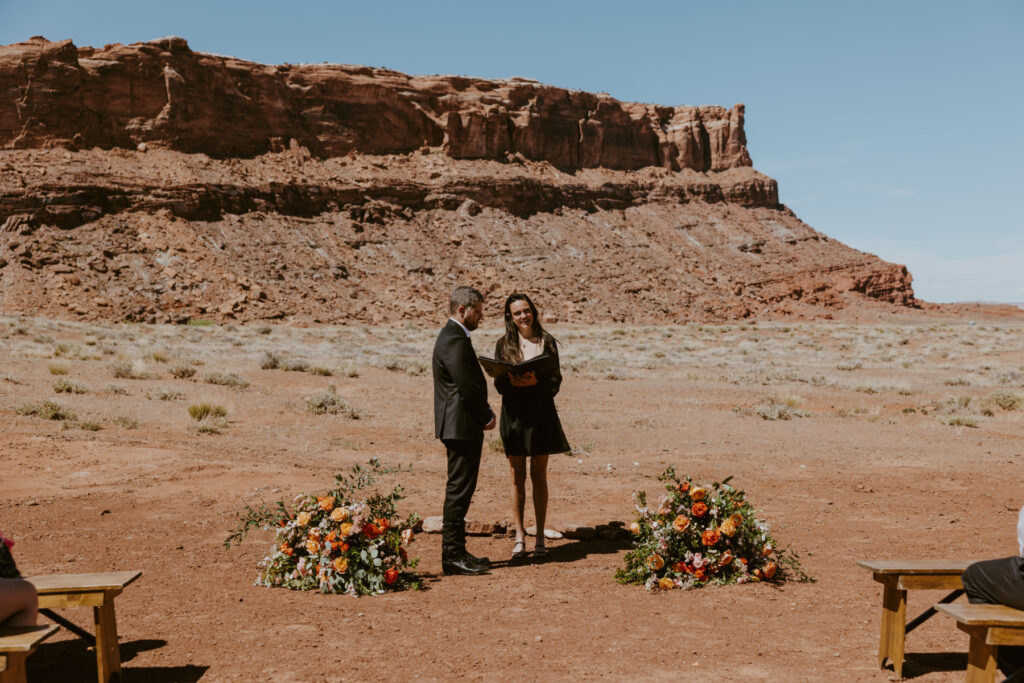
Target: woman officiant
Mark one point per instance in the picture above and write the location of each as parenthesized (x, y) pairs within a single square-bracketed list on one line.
[(530, 428)]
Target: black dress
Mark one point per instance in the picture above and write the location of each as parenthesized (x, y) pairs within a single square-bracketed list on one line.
[(529, 421)]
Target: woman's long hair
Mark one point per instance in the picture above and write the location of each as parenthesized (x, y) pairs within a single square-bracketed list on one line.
[(508, 346)]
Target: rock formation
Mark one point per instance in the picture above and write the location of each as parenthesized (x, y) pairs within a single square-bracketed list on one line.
[(151, 182)]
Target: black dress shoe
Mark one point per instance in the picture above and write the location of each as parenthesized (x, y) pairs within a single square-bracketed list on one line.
[(482, 561), (462, 565)]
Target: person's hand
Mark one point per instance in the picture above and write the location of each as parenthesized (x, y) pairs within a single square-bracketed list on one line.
[(527, 379), (490, 425)]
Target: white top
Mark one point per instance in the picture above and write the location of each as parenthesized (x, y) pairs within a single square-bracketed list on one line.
[(530, 349), (1020, 532)]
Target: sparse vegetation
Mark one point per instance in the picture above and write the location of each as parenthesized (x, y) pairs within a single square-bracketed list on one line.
[(202, 411), (182, 371), (89, 425), (226, 379), (780, 408), (328, 402), (46, 410), (59, 368), (126, 369), (850, 365), (164, 395), (63, 386), (125, 422)]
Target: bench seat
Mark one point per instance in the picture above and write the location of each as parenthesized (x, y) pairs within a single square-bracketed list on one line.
[(16, 644), (989, 626)]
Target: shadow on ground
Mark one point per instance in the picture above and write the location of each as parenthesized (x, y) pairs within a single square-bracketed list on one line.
[(72, 661)]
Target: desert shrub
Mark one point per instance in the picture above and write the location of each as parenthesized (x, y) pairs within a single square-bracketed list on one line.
[(957, 411), (201, 411), (1011, 377), (850, 365), (115, 390), (957, 382), (294, 365), (46, 410), (158, 356), (328, 402), (959, 420), (58, 368), (182, 371), (63, 386), (164, 395), (227, 379), (265, 330), (350, 370), (126, 369), (321, 371), (1007, 400), (90, 425), (780, 408), (270, 360), (125, 422)]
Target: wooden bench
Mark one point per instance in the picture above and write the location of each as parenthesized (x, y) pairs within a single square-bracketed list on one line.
[(899, 576), (89, 590), (989, 627), (16, 644)]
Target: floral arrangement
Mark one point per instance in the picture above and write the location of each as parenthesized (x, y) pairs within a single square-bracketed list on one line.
[(335, 543), (701, 535)]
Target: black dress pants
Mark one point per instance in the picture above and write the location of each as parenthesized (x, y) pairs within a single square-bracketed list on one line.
[(463, 468), (999, 582)]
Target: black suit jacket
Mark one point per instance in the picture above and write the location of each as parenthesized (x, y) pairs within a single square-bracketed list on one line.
[(460, 389)]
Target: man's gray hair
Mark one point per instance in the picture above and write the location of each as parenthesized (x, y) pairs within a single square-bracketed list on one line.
[(464, 296)]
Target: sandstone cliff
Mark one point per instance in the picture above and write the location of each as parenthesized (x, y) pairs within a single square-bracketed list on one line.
[(150, 182)]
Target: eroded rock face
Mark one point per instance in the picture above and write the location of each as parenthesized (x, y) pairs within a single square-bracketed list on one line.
[(151, 183), (162, 93)]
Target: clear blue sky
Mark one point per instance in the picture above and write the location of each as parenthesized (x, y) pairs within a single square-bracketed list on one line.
[(895, 127)]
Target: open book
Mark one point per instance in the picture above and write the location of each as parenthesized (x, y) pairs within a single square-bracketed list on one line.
[(543, 366)]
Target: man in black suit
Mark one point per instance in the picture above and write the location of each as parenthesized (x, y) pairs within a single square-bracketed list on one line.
[(461, 415)]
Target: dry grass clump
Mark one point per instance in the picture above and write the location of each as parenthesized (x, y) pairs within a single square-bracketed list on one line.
[(125, 422), (883, 389), (63, 386), (780, 408), (957, 411), (59, 368), (210, 418), (46, 410), (126, 369), (957, 382), (849, 365), (328, 402), (226, 379), (272, 360), (89, 425), (1011, 377), (164, 395), (115, 390), (1004, 400), (182, 371)]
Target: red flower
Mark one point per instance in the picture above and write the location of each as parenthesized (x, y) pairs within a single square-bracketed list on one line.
[(699, 509), (390, 576), (371, 531)]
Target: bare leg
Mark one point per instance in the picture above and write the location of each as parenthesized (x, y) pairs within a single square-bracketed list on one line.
[(517, 463), (19, 604), (539, 479)]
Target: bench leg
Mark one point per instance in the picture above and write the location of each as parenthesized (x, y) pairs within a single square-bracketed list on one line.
[(108, 652), (12, 667), (894, 623), (981, 658)]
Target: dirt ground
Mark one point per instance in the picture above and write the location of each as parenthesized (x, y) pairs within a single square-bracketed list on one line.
[(878, 459)]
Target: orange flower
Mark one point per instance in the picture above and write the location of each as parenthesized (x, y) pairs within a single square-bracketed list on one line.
[(371, 531), (326, 503), (726, 559), (766, 550), (710, 537), (382, 524), (699, 574), (345, 529), (728, 528), (698, 494), (390, 576), (302, 518), (655, 562), (679, 567), (314, 534), (666, 584), (635, 528), (286, 549), (757, 573), (339, 515), (684, 487), (312, 547), (744, 561), (699, 509), (342, 547), (736, 518), (333, 535), (770, 569), (340, 565)]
